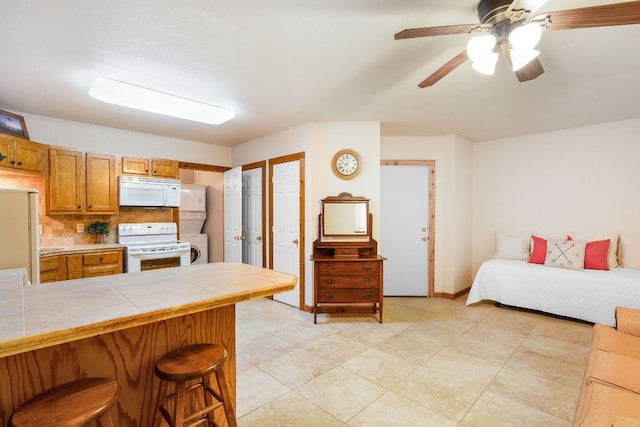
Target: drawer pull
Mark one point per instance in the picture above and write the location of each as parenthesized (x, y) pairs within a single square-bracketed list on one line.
[(329, 295), (329, 281), (366, 268), (329, 267), (366, 280), (366, 295), (345, 251)]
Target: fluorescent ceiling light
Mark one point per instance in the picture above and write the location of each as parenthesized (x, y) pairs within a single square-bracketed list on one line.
[(132, 96)]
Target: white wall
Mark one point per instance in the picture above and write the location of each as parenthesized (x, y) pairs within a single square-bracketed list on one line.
[(319, 141), (453, 157), (100, 139), (583, 180)]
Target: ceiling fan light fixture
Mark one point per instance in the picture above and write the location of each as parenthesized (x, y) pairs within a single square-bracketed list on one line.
[(526, 36), (521, 57), (141, 98), (486, 65), (479, 48)]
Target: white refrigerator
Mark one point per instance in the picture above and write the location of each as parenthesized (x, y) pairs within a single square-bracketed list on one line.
[(19, 231)]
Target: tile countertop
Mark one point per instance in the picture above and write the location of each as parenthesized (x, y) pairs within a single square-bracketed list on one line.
[(38, 316), (71, 249)]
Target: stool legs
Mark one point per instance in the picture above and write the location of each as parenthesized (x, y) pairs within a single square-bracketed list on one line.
[(226, 397), (190, 368), (179, 396)]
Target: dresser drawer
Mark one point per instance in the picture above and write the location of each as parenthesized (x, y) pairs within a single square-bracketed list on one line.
[(333, 295), (354, 281), (347, 267)]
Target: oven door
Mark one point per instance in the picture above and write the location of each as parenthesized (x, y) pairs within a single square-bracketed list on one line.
[(144, 261)]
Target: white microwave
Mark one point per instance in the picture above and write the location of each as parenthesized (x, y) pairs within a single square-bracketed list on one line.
[(154, 192)]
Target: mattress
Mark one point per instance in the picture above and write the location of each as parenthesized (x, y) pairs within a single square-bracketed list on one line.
[(590, 295)]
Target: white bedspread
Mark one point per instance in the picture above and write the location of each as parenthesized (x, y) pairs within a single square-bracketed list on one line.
[(590, 295)]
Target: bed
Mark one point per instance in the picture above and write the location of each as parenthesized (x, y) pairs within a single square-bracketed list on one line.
[(589, 295)]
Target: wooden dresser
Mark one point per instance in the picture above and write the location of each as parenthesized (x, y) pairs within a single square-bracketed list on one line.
[(347, 275)]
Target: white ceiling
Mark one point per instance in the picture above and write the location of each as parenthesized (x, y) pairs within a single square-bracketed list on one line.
[(280, 63)]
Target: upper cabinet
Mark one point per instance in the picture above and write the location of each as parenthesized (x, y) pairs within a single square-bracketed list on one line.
[(21, 154), (80, 183), (160, 168)]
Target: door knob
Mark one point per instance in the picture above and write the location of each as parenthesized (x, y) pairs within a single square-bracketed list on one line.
[(259, 238), (425, 238), (294, 241)]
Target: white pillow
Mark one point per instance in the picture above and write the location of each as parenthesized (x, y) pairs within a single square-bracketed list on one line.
[(512, 246), (565, 254), (612, 254), (629, 251)]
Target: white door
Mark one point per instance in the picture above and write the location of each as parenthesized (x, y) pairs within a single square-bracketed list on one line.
[(404, 225), (252, 217), (286, 225), (233, 215)]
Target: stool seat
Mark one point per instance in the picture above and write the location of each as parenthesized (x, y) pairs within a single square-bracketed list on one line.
[(70, 405), (190, 362), (193, 364)]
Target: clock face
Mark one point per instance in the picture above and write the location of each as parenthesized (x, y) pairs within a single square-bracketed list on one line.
[(346, 164)]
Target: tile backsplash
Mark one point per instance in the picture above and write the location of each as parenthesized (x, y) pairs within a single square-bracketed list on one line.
[(61, 230)]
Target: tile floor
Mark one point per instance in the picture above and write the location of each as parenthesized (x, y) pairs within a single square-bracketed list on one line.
[(433, 362)]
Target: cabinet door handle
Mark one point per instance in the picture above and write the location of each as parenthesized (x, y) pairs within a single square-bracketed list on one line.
[(19, 163), (329, 281), (366, 280), (366, 268), (13, 162), (329, 267), (329, 295), (367, 295)]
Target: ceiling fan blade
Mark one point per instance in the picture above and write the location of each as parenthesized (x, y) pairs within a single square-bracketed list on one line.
[(445, 30), (444, 70), (596, 16), (530, 71)]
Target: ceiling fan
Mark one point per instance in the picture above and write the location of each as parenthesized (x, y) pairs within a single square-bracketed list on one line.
[(511, 28)]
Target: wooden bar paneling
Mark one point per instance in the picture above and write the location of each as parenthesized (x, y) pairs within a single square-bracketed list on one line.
[(127, 355)]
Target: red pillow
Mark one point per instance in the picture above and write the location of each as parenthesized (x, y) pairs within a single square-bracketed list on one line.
[(539, 250), (595, 255)]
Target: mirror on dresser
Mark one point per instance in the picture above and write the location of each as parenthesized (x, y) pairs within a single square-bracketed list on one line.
[(345, 218), (347, 269)]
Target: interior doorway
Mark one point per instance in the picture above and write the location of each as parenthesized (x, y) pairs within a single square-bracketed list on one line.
[(407, 211), (286, 222), (253, 214)]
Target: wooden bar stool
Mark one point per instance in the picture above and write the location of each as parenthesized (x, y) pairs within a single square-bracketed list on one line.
[(73, 404), (194, 364)]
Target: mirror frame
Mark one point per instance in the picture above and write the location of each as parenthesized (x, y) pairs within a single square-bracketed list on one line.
[(346, 198)]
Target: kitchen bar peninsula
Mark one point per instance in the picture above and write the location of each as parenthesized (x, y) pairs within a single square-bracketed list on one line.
[(118, 326)]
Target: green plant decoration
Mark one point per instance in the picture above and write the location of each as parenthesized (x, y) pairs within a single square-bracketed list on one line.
[(100, 229)]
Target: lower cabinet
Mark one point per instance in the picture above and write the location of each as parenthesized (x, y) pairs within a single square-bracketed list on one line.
[(72, 265)]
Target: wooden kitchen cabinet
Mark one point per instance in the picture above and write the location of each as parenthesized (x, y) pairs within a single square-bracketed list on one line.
[(80, 183), (159, 168), (21, 154), (101, 264), (79, 265), (53, 268)]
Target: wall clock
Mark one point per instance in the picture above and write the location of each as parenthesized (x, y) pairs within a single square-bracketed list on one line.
[(346, 164)]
